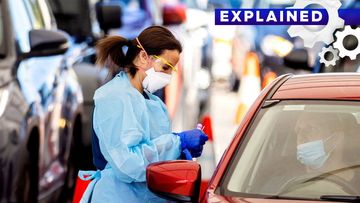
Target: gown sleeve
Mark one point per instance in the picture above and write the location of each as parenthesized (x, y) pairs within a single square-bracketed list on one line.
[(124, 141)]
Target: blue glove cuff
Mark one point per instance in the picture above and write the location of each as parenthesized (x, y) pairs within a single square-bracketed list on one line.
[(182, 143)]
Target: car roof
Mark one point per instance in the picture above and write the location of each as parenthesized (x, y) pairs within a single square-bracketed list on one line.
[(329, 86)]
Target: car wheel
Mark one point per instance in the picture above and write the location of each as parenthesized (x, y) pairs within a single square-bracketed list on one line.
[(28, 179), (72, 167)]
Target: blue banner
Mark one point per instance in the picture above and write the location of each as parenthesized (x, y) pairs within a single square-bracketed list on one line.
[(351, 16)]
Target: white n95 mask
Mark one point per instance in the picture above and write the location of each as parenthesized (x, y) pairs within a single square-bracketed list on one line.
[(155, 80)]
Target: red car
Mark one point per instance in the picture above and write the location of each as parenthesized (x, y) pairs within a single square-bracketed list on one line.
[(299, 142)]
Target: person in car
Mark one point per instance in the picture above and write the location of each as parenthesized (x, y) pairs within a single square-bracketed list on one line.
[(131, 125), (319, 137), (328, 143)]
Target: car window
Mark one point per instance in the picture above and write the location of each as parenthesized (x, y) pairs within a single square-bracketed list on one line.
[(21, 24), (34, 12), (301, 150), (46, 14)]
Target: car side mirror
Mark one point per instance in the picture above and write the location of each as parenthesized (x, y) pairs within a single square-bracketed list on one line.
[(174, 14), (108, 15), (175, 180), (47, 43), (297, 59)]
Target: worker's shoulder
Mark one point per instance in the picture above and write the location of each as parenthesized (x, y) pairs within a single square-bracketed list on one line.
[(117, 89)]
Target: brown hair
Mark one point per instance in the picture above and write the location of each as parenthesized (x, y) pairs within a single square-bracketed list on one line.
[(154, 39)]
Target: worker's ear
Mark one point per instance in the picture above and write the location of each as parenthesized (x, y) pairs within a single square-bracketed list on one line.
[(142, 61), (144, 58)]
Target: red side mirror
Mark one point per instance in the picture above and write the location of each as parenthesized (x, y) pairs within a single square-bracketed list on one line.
[(175, 180), (174, 14)]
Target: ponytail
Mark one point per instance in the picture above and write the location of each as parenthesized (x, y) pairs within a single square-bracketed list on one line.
[(110, 53)]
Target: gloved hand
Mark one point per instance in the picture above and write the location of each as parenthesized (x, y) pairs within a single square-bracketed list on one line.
[(186, 154), (193, 141)]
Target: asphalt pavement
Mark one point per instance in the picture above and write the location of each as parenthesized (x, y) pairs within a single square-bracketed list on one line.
[(223, 109)]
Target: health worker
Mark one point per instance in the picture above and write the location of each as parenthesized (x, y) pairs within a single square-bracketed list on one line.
[(131, 125)]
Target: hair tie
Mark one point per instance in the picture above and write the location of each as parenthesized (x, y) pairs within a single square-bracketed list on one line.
[(129, 43)]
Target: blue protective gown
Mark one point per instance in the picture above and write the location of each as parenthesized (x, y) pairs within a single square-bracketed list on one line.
[(133, 132)]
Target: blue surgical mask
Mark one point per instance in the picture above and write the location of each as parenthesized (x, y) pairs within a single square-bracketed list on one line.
[(313, 153)]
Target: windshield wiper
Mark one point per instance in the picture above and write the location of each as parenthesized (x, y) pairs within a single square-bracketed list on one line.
[(346, 198)]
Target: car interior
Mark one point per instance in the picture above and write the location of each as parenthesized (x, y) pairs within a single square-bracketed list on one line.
[(274, 169)]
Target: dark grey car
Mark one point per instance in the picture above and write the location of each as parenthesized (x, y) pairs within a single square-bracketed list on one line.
[(40, 104)]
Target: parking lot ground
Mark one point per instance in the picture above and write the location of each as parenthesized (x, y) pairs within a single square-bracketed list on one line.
[(223, 110)]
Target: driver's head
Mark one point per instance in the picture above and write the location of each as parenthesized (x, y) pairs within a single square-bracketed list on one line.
[(319, 140)]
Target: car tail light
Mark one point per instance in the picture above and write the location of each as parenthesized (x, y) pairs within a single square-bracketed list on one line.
[(174, 14)]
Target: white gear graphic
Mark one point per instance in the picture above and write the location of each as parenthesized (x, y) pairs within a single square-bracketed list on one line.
[(331, 62), (339, 44), (324, 35)]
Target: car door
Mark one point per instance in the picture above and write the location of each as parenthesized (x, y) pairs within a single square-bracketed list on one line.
[(41, 81)]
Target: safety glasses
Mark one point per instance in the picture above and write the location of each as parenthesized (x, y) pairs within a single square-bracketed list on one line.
[(168, 64)]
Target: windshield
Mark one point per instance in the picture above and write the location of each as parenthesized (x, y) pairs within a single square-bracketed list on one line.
[(299, 149)]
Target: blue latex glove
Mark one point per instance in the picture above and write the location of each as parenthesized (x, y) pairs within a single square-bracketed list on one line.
[(192, 140), (197, 152), (186, 154)]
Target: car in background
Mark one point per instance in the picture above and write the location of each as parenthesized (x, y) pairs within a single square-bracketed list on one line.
[(41, 104), (136, 16), (278, 53), (271, 44), (260, 164), (222, 38)]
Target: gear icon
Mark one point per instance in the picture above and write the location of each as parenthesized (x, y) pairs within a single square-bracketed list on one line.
[(335, 54), (326, 33), (339, 44)]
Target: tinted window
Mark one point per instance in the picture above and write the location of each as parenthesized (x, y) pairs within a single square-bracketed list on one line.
[(21, 24), (48, 18), (35, 13), (301, 150)]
